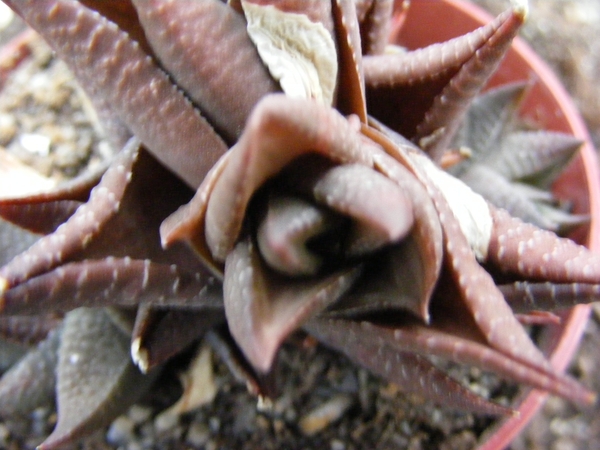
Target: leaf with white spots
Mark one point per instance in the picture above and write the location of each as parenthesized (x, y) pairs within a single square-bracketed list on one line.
[(443, 119), (411, 372), (199, 33), (514, 169), (92, 349), (29, 384), (525, 296), (76, 233), (429, 342), (478, 290), (433, 62), (351, 84), (111, 281), (527, 251), (490, 117), (375, 20), (43, 212), (528, 154), (28, 330), (40, 218)]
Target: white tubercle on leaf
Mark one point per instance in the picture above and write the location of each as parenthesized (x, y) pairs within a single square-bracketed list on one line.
[(300, 54), (393, 49), (471, 209)]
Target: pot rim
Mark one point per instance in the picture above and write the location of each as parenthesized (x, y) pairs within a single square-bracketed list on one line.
[(561, 342)]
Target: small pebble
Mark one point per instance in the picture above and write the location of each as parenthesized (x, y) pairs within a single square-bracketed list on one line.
[(565, 444), (325, 414), (166, 422), (336, 444), (245, 418), (35, 143), (121, 431), (198, 434), (214, 423), (139, 414), (4, 435), (8, 128)]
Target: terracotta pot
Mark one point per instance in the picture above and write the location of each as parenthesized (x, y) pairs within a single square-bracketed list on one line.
[(548, 106)]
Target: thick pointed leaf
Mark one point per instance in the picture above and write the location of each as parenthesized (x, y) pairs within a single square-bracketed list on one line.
[(41, 218), (375, 24), (489, 118), (76, 233), (351, 84), (428, 63), (525, 296), (500, 192), (296, 125), (500, 162), (111, 281), (30, 383), (159, 335), (409, 371), (382, 212), (285, 231), (28, 329), (518, 248), (135, 195), (263, 308), (526, 154), (445, 115), (199, 33), (92, 349), (429, 342), (465, 237), (426, 232), (394, 281), (43, 212)]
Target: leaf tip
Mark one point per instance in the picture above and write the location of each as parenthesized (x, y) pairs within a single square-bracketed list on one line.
[(4, 286), (520, 8), (139, 355)]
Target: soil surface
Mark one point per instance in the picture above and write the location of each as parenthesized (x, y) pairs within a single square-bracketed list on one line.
[(325, 402)]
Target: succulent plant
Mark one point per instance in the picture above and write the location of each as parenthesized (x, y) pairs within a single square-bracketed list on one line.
[(511, 166), (322, 207)]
